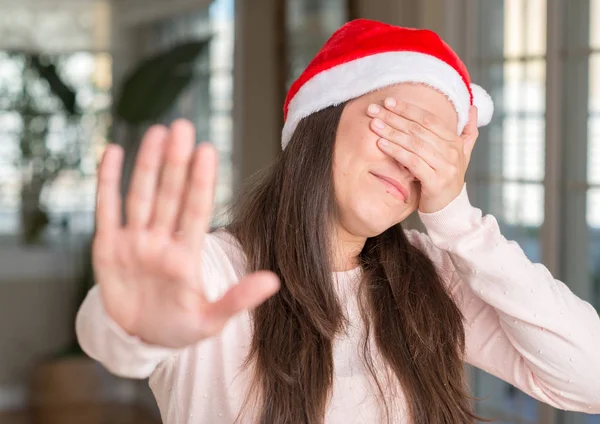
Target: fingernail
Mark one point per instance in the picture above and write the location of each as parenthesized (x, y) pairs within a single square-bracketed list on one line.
[(374, 109), (378, 123), (383, 142), (390, 102)]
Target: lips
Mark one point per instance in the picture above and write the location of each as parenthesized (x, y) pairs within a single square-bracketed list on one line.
[(398, 189)]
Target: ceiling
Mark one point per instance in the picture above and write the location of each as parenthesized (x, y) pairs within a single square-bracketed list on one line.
[(54, 25), (74, 25), (134, 12)]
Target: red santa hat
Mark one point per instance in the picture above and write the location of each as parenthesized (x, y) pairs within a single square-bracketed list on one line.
[(363, 56)]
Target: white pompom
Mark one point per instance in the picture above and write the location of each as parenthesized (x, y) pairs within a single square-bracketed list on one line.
[(484, 103)]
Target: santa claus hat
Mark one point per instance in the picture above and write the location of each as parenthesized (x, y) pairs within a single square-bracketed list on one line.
[(363, 56)]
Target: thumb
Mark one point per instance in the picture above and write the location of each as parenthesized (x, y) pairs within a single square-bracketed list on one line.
[(471, 132), (247, 294)]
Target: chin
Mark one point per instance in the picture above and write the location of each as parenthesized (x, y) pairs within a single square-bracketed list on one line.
[(373, 224), (368, 231), (369, 215)]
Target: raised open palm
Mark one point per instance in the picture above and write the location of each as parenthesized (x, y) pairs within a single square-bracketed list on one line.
[(149, 268)]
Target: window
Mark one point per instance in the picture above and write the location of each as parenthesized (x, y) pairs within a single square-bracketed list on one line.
[(535, 168), (38, 137), (208, 101), (593, 153), (508, 165), (48, 155)]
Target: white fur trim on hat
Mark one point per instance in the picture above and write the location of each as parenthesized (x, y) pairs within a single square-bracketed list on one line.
[(484, 103), (366, 74)]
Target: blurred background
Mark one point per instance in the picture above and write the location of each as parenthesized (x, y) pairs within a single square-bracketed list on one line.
[(78, 74)]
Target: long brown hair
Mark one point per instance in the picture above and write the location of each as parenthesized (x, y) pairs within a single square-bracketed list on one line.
[(283, 222)]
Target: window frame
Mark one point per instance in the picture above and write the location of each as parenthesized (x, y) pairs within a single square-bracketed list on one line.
[(463, 37)]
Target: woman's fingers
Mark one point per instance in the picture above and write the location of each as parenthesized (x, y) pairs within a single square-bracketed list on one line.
[(247, 294), (413, 162), (419, 144), (421, 118), (142, 190), (470, 133), (197, 210), (108, 201), (108, 206), (174, 173)]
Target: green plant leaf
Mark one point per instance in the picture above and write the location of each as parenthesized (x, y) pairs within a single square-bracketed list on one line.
[(48, 72), (152, 88)]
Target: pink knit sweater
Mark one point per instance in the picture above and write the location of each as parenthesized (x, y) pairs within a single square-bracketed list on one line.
[(521, 325)]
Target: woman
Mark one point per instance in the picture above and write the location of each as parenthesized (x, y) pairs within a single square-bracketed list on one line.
[(353, 320)]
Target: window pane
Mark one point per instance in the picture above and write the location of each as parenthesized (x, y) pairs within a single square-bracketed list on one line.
[(593, 208), (595, 24), (594, 84), (523, 206), (513, 28), (523, 148), (593, 169), (593, 221), (535, 27), (524, 87), (534, 85), (593, 148), (524, 28)]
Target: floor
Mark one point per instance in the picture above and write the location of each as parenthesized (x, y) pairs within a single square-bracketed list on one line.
[(89, 414)]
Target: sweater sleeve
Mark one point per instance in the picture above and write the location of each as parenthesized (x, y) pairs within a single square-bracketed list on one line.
[(521, 324), (105, 341)]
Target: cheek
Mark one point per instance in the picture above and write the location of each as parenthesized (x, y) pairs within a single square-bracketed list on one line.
[(355, 136), (365, 143), (355, 149)]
